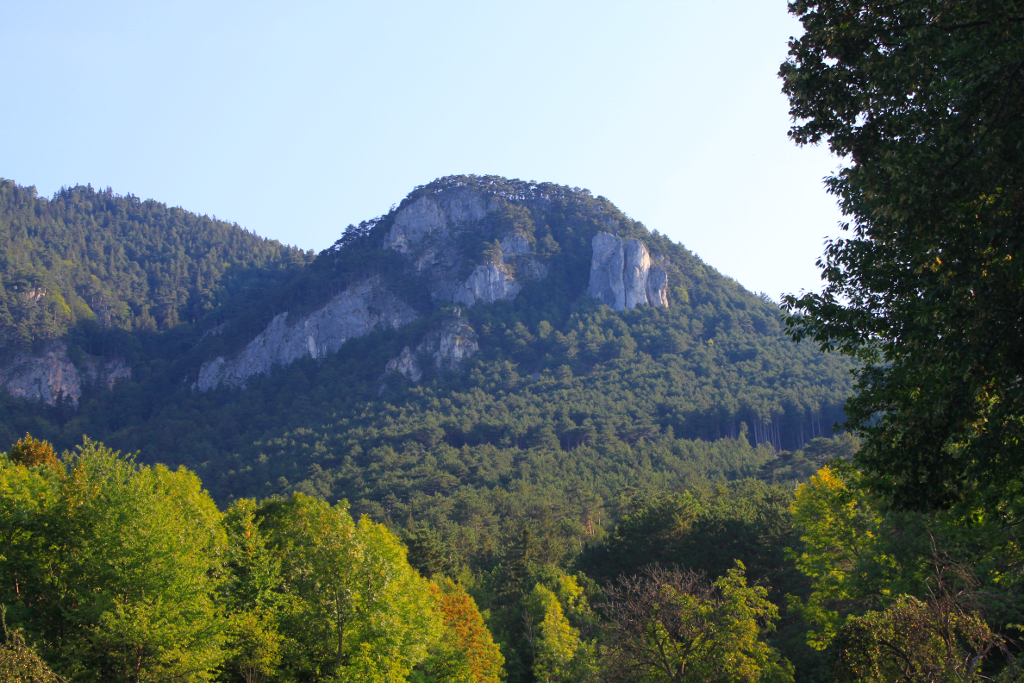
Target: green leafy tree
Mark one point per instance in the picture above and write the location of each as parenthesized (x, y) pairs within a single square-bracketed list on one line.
[(19, 662), (869, 564), (144, 572), (253, 646), (926, 101), (428, 554), (112, 568), (316, 544), (672, 625), (361, 613), (941, 638), (254, 598), (839, 532), (560, 654)]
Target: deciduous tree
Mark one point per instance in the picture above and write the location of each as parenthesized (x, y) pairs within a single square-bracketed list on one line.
[(925, 101), (673, 625)]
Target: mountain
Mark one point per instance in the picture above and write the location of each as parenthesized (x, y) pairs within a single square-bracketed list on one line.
[(484, 334)]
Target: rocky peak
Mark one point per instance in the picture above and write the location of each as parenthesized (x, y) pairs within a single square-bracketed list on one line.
[(622, 274), (433, 217), (426, 232)]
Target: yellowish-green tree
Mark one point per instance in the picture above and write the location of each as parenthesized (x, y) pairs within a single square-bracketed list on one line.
[(838, 530), (253, 597), (555, 642), (359, 611), (672, 625), (112, 568)]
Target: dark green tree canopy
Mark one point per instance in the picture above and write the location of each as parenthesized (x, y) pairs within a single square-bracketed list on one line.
[(925, 100)]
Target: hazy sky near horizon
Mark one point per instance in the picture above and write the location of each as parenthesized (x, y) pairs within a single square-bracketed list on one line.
[(296, 119)]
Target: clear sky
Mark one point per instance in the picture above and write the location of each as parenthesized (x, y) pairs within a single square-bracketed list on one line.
[(295, 119)]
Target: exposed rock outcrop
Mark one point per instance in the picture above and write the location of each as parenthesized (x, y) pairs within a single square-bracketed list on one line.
[(423, 232), (406, 365), (622, 274), (51, 375), (516, 251), (355, 312), (494, 281), (487, 283), (430, 233), (426, 233), (448, 348), (436, 215)]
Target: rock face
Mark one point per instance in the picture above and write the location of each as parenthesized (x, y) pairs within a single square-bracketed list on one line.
[(426, 232), (622, 274), (429, 232), (436, 216), (487, 283), (51, 375), (448, 348), (355, 312)]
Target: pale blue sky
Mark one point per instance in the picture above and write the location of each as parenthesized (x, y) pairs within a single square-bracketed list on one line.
[(295, 119)]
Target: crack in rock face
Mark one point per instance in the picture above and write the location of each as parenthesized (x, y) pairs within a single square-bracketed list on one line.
[(623, 276)]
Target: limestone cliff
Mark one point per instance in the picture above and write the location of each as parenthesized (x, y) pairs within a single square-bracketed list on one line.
[(427, 233), (355, 312), (448, 349), (51, 375), (622, 274)]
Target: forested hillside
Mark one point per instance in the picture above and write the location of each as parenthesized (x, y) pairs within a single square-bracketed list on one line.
[(91, 256), (563, 394), (565, 433), (504, 432)]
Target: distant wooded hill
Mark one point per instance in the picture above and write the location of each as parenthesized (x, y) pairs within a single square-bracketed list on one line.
[(557, 389), (92, 256)]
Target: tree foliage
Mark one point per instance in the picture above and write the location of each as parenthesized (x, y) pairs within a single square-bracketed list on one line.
[(117, 572), (925, 99), (33, 452), (90, 259), (112, 566), (466, 651), (19, 662), (673, 625), (942, 638)]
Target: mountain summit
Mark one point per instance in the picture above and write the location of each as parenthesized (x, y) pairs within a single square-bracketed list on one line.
[(466, 241)]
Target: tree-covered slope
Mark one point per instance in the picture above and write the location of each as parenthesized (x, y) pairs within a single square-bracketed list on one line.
[(563, 392), (87, 255)]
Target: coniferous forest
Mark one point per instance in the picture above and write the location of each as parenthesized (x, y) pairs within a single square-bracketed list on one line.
[(501, 475)]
